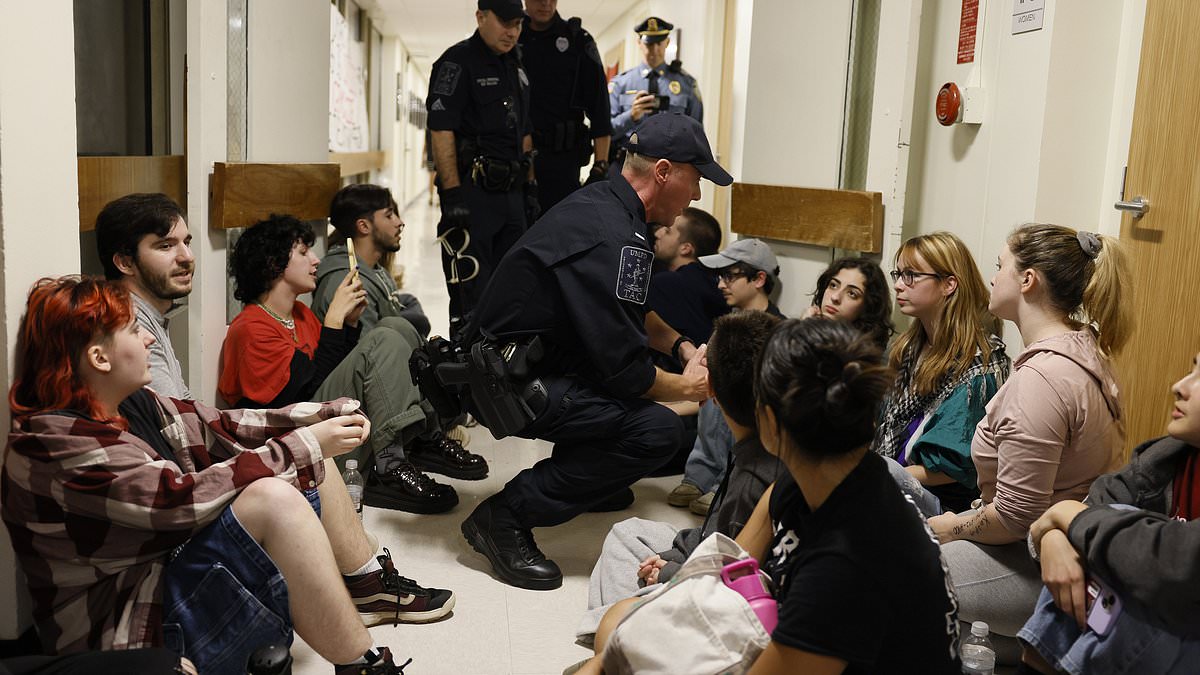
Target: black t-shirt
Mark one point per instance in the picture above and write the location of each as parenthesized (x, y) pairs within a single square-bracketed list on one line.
[(862, 578), (688, 300), (145, 421)]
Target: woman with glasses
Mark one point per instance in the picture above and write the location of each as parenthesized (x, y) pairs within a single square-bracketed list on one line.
[(1055, 425), (940, 393)]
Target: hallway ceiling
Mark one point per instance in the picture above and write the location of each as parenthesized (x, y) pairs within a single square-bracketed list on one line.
[(428, 27)]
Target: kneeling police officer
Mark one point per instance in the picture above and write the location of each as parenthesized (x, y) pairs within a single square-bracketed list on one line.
[(578, 284)]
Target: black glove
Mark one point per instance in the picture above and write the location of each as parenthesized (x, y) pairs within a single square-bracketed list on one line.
[(598, 173), (455, 212), (533, 208)]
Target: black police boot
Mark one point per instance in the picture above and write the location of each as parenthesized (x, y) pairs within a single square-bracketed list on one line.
[(493, 531), (405, 488), (448, 457)]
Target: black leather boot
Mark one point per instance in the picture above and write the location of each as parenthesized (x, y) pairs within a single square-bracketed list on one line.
[(405, 488), (447, 457), (492, 530)]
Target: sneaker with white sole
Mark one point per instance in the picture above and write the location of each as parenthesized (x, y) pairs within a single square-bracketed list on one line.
[(683, 495), (384, 596)]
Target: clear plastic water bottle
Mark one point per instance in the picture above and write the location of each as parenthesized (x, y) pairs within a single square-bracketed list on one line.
[(354, 485), (976, 651)]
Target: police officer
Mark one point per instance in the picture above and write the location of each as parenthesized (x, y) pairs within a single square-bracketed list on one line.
[(482, 147), (654, 86), (579, 281), (566, 78)]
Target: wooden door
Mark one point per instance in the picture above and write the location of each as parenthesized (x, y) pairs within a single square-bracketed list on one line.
[(1164, 167)]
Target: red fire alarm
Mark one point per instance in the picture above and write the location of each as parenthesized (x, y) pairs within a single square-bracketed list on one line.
[(949, 108)]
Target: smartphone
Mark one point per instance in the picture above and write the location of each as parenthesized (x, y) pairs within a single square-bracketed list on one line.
[(353, 258), (1104, 606)]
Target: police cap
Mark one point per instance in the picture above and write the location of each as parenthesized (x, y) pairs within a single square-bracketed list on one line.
[(653, 30), (507, 10), (679, 138)]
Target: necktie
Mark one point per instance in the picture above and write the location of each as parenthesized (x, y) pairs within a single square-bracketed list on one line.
[(652, 87)]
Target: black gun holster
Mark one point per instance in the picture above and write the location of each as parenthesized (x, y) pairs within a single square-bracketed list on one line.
[(493, 382)]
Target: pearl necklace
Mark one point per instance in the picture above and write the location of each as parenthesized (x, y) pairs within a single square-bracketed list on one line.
[(289, 324)]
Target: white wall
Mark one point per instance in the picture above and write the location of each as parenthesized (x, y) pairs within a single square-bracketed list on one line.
[(1055, 132), (39, 199), (788, 102)]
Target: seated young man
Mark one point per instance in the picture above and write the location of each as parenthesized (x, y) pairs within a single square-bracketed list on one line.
[(683, 292), (1139, 534), (366, 216), (747, 272), (639, 552), (142, 520), (276, 352)]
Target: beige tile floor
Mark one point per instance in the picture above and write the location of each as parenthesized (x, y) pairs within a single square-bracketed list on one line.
[(495, 628)]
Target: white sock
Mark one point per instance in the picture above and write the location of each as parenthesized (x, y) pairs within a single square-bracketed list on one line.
[(371, 657), (372, 565)]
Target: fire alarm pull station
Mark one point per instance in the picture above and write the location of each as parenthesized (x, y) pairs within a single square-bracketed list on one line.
[(953, 106)]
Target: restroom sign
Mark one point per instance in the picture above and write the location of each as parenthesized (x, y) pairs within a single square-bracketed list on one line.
[(967, 25)]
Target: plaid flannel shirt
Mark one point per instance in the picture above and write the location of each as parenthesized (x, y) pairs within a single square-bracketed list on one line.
[(94, 511)]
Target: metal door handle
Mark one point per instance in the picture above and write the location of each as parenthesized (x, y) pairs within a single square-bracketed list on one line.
[(1138, 206)]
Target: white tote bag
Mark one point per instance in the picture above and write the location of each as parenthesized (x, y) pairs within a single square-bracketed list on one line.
[(694, 624)]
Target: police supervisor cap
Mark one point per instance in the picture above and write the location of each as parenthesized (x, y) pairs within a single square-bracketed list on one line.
[(751, 252), (653, 30), (505, 9), (679, 138)]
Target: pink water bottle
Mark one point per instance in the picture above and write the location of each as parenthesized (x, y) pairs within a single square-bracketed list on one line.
[(742, 576)]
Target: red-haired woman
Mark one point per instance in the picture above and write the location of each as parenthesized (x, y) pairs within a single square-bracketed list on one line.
[(141, 520)]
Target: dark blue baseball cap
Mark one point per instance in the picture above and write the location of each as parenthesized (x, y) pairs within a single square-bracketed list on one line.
[(505, 9), (679, 138)]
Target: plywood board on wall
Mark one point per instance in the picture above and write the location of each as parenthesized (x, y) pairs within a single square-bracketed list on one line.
[(243, 194), (103, 179), (847, 219)]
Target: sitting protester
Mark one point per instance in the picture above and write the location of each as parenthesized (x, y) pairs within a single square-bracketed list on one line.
[(1055, 425), (939, 394), (747, 272), (276, 352), (855, 290), (640, 552), (143, 521), (818, 531), (1138, 534)]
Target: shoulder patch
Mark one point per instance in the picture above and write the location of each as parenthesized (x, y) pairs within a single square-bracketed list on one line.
[(611, 85), (447, 78), (633, 275), (437, 105)]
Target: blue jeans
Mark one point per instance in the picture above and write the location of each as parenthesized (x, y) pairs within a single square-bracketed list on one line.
[(710, 455), (1131, 645), (927, 503), (223, 597)]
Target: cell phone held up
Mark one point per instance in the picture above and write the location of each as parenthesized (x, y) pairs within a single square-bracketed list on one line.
[(352, 258), (1103, 606), (661, 103)]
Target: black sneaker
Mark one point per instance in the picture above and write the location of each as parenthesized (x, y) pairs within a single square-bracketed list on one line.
[(515, 557), (382, 665), (448, 457), (386, 597), (405, 488)]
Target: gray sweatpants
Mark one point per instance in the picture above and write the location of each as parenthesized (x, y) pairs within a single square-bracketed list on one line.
[(996, 584), (614, 577)]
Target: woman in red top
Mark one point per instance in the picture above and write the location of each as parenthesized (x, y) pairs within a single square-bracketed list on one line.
[(277, 352)]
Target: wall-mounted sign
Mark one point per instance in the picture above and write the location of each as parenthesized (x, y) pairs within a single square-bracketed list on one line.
[(1027, 15), (968, 23)]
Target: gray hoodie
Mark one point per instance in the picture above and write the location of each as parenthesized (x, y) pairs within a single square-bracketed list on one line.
[(1051, 429), (383, 298)]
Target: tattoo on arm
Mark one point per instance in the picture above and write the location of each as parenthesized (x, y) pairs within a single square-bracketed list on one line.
[(971, 527)]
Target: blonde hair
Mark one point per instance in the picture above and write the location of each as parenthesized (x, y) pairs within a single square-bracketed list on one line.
[(1087, 290), (965, 324)]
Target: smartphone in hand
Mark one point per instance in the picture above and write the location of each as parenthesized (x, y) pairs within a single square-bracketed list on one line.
[(1103, 606), (353, 258)]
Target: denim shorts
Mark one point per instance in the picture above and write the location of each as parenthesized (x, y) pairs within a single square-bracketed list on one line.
[(1131, 646), (223, 597)]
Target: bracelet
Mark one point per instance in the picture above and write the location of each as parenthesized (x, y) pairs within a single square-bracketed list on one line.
[(675, 347)]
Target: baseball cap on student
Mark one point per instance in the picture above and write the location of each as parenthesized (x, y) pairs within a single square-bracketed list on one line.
[(679, 138), (505, 9), (751, 252)]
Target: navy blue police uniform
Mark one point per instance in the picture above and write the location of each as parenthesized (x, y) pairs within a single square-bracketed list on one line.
[(567, 82), (482, 97), (669, 80), (580, 281)]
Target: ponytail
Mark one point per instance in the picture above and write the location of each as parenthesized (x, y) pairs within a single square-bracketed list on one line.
[(1106, 302)]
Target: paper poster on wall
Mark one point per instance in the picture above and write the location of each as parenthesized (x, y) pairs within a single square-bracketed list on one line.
[(348, 131), (968, 23)]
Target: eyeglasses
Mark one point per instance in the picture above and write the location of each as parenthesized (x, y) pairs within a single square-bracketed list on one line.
[(910, 277), (732, 274)]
